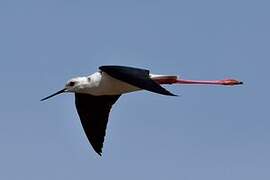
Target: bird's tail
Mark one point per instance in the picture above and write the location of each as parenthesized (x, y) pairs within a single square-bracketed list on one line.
[(164, 79)]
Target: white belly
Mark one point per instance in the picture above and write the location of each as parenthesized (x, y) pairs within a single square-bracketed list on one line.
[(103, 84)]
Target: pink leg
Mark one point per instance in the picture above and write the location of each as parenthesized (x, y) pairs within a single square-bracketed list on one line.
[(226, 82)]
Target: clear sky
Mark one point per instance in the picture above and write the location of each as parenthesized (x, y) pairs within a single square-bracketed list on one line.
[(207, 133)]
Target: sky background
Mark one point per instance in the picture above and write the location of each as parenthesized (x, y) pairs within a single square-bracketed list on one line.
[(207, 133)]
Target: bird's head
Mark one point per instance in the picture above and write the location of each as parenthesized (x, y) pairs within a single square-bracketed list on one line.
[(72, 85), (75, 84)]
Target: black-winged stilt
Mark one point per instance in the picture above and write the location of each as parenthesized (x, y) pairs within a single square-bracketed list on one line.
[(95, 94)]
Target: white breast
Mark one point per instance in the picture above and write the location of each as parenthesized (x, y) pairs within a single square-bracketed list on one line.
[(104, 84)]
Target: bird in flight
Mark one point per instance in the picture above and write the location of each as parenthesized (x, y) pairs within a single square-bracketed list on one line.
[(96, 94)]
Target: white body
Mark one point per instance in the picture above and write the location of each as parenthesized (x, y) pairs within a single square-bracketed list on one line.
[(103, 84)]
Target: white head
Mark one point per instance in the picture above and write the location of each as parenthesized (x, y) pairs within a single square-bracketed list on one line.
[(73, 85), (76, 84)]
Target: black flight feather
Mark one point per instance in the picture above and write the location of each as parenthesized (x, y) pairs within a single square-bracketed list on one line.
[(136, 77), (94, 113)]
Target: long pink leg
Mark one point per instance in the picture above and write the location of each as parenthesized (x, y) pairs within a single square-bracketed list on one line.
[(226, 82)]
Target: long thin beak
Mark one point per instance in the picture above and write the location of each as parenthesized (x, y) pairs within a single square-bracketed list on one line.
[(59, 92)]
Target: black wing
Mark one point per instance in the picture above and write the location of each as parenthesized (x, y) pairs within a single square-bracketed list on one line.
[(136, 77), (94, 112)]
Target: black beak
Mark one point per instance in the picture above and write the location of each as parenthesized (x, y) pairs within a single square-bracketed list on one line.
[(59, 92)]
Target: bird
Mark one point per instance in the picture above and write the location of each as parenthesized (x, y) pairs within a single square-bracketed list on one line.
[(97, 93)]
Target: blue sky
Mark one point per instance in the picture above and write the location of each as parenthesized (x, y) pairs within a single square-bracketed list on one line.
[(207, 133)]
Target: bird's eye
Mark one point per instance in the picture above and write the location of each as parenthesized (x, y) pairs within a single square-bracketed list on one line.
[(71, 83)]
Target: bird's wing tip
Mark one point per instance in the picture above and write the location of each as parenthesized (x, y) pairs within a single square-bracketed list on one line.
[(171, 94), (99, 153)]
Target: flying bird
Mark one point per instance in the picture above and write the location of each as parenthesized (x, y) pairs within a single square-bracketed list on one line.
[(95, 94)]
